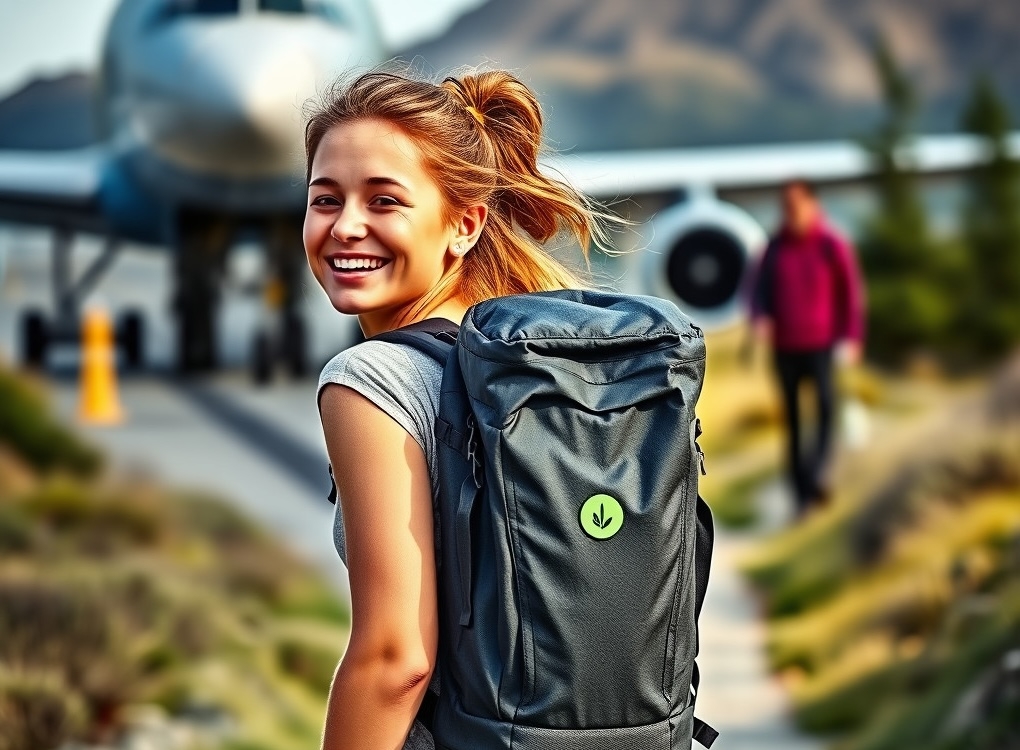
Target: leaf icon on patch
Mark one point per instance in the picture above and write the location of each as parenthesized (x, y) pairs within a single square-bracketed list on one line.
[(602, 523)]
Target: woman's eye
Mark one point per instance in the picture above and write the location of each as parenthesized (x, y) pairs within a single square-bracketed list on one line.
[(385, 200), (325, 200)]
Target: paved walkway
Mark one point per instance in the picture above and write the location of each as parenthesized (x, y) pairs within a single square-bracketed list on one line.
[(273, 468), (738, 695)]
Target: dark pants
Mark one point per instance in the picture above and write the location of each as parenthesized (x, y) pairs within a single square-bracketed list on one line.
[(807, 464)]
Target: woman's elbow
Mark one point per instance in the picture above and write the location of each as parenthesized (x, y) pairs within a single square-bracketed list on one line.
[(410, 682), (399, 677)]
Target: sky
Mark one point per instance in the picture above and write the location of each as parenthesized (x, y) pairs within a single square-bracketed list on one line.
[(50, 37)]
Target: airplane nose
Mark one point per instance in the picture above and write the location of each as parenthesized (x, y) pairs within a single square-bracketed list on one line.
[(229, 101)]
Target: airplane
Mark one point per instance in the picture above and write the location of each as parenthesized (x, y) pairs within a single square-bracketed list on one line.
[(200, 110), (200, 102)]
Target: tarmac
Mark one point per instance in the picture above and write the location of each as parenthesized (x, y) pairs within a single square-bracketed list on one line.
[(260, 450)]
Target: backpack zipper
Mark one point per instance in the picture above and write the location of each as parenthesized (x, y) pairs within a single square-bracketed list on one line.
[(472, 451)]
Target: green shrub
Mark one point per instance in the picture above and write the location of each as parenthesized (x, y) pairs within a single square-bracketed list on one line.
[(735, 506), (32, 433), (16, 534), (95, 521), (972, 466)]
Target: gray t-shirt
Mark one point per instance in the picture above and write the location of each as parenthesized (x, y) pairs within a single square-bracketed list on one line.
[(405, 384)]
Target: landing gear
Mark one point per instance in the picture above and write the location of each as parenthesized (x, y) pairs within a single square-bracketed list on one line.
[(131, 336), (295, 346), (200, 264), (284, 339), (201, 247), (39, 333), (261, 358), (34, 339), (288, 347)]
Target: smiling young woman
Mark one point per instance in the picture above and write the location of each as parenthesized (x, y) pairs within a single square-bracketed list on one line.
[(423, 199)]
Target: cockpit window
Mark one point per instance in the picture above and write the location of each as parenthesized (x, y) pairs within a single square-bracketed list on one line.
[(283, 6), (178, 8), (211, 7), (334, 12)]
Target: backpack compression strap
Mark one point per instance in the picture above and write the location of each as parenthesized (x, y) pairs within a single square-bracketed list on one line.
[(704, 540)]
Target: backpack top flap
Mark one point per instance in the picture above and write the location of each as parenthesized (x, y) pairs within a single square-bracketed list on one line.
[(588, 339)]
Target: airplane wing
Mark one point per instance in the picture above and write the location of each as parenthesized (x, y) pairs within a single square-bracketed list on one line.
[(53, 188), (621, 173)]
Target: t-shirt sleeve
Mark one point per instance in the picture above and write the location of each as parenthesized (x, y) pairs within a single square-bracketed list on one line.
[(385, 375), (399, 382)]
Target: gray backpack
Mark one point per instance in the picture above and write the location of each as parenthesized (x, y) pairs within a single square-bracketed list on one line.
[(574, 548)]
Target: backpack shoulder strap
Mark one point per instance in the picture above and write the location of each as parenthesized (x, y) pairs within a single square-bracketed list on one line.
[(433, 337)]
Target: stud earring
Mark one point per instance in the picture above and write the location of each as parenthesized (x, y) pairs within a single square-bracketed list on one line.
[(459, 250)]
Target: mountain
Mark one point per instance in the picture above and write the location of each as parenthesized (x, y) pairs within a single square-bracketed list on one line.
[(49, 113), (654, 73)]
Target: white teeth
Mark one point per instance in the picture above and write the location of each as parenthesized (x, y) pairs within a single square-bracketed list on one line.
[(356, 263)]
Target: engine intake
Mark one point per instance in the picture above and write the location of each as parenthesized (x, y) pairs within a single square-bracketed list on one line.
[(700, 255)]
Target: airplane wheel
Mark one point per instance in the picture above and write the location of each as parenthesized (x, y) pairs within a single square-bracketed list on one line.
[(294, 346), (262, 358), (131, 334), (34, 339)]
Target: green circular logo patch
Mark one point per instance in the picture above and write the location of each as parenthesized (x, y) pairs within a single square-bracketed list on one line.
[(601, 516)]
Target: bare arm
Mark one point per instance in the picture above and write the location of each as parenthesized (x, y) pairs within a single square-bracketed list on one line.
[(383, 487)]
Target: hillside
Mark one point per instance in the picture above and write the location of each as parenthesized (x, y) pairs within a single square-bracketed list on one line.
[(49, 113), (669, 72), (674, 72)]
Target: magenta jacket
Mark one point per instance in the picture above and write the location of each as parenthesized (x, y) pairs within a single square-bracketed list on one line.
[(811, 288)]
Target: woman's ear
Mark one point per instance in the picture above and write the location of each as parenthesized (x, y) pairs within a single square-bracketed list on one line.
[(469, 228)]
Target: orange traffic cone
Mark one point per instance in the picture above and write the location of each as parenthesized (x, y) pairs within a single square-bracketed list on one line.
[(98, 402)]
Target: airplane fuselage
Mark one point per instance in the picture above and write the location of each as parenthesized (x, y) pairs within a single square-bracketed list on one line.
[(201, 103)]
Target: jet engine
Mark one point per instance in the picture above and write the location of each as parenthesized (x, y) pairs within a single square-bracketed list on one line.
[(700, 254)]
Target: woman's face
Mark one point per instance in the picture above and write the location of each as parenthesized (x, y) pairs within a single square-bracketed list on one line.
[(374, 234)]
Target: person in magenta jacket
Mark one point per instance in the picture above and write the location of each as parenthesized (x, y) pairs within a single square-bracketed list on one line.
[(807, 301)]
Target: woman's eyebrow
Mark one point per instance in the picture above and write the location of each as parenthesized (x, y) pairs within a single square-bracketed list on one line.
[(330, 182), (385, 181), (327, 181)]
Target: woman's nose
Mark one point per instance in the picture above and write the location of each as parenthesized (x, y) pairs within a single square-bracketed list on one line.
[(349, 225)]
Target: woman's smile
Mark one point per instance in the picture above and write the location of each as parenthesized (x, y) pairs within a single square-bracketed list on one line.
[(348, 268)]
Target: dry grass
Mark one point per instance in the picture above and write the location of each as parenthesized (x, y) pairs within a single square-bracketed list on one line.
[(116, 593), (901, 599)]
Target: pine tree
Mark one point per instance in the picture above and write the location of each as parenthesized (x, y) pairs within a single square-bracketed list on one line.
[(991, 229), (909, 307)]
